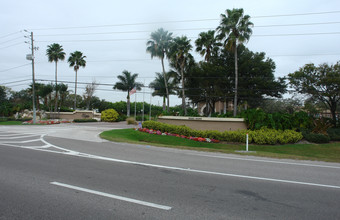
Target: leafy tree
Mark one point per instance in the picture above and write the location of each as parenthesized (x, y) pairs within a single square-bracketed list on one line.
[(45, 93), (281, 105), (234, 29), (76, 60), (159, 86), (89, 92), (127, 82), (63, 90), (5, 105), (158, 46), (179, 54), (256, 76), (205, 84), (207, 45), (320, 82), (55, 52)]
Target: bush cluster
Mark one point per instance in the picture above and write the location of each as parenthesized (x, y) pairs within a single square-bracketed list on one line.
[(84, 120), (262, 136), (334, 134), (109, 115), (257, 119)]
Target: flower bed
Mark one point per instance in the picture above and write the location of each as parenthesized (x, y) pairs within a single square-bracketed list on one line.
[(157, 132), (45, 122)]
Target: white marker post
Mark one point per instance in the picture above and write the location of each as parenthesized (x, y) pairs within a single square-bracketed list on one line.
[(247, 142)]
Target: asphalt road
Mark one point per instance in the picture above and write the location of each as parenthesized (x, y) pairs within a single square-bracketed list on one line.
[(67, 172)]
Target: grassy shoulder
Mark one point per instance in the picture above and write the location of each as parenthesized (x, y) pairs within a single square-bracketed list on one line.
[(321, 152), (10, 122)]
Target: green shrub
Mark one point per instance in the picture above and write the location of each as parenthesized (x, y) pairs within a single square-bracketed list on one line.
[(122, 117), (334, 134), (84, 120), (317, 138), (131, 121), (109, 115), (257, 119), (262, 136)]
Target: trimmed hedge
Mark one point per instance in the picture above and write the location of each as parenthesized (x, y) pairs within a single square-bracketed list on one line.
[(84, 120), (262, 136)]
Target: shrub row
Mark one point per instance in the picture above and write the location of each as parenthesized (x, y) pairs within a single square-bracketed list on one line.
[(84, 120), (262, 136)]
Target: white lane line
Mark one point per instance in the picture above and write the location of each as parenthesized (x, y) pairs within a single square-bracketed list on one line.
[(139, 202), (265, 161), (78, 154), (33, 135), (20, 142)]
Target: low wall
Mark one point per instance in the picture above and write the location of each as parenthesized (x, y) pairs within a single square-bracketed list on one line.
[(75, 115), (206, 123)]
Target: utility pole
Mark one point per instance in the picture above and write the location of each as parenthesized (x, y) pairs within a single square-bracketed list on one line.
[(31, 57)]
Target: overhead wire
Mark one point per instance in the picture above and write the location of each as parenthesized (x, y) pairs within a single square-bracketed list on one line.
[(182, 21)]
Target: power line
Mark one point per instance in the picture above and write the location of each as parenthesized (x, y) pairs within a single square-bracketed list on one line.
[(11, 40), (181, 21), (15, 67), (7, 35), (11, 45), (145, 39), (181, 29), (6, 83)]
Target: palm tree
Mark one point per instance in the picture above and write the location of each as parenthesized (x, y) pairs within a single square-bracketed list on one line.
[(126, 83), (159, 86), (179, 54), (207, 45), (46, 90), (234, 29), (63, 90), (76, 60), (158, 46), (55, 52)]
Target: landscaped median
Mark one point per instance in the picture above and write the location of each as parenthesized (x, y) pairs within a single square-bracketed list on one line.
[(322, 152)]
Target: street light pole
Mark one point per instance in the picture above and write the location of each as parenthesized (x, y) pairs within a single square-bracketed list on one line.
[(33, 79), (31, 57)]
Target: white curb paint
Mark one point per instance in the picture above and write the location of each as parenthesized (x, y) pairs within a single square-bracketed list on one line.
[(139, 202)]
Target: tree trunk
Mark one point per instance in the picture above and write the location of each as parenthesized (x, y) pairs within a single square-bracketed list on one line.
[(56, 88), (333, 108), (225, 106), (183, 93), (164, 105), (128, 105), (38, 103), (75, 92), (166, 85), (236, 79)]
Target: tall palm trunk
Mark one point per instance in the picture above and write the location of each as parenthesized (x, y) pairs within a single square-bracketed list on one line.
[(183, 93), (128, 105), (164, 105), (56, 87), (166, 85), (236, 79), (75, 91)]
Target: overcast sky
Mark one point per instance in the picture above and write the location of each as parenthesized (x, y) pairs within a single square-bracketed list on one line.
[(113, 35)]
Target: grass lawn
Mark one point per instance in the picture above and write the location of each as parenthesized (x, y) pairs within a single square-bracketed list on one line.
[(10, 122), (321, 152)]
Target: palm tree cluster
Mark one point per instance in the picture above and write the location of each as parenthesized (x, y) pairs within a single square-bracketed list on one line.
[(55, 53), (234, 30)]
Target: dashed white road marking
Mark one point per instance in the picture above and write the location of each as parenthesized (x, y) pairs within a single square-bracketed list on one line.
[(79, 154), (139, 202)]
